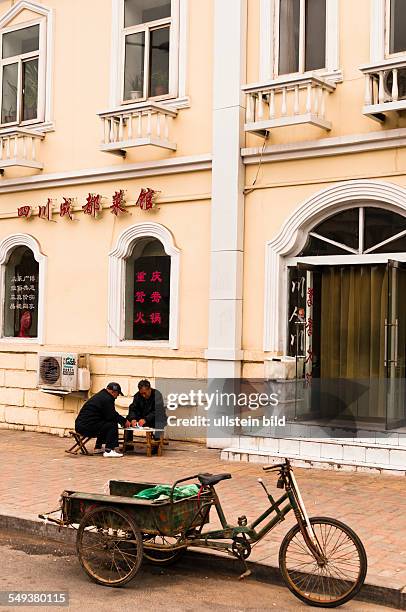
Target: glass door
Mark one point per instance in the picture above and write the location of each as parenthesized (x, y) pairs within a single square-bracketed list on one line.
[(395, 345), (304, 335)]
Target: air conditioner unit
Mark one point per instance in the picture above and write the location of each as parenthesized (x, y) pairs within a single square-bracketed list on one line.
[(59, 371)]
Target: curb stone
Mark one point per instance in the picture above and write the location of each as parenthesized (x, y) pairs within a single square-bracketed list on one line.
[(371, 593)]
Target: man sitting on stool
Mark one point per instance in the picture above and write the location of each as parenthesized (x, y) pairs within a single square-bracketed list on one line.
[(147, 409), (99, 419)]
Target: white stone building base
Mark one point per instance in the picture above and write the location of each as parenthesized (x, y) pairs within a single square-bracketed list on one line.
[(343, 455)]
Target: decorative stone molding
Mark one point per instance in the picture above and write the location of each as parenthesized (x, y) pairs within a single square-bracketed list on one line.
[(7, 246), (117, 262), (293, 234)]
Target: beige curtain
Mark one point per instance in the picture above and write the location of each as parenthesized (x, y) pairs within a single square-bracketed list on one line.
[(353, 310)]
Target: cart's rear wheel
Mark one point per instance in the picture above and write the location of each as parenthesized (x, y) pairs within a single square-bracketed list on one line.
[(334, 580), (161, 557), (109, 546)]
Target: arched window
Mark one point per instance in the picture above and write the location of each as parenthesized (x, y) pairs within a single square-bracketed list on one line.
[(358, 231), (22, 267), (144, 288), (21, 294)]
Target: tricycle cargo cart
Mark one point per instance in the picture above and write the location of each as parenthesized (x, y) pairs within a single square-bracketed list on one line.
[(322, 561)]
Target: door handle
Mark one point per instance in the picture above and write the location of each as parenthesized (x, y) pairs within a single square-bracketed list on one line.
[(385, 360), (395, 356)]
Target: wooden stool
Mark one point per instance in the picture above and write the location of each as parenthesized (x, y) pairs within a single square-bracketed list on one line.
[(80, 444)]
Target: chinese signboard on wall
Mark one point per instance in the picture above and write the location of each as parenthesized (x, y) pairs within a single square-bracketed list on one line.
[(146, 200), (151, 298)]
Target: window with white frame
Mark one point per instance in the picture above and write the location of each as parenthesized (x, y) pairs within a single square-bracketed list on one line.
[(395, 27), (300, 36), (149, 49), (22, 74)]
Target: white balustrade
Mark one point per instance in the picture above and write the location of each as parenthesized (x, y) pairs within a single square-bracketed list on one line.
[(385, 88), (148, 123), (18, 147), (287, 102)]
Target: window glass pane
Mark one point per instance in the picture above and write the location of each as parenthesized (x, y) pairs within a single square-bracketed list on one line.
[(30, 89), (315, 21), (21, 295), (159, 62), (289, 20), (396, 246), (148, 294), (382, 224), (143, 11), (314, 247), (397, 35), (342, 227), (9, 99), (21, 41), (134, 66)]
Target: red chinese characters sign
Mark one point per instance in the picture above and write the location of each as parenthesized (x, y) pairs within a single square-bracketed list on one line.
[(118, 205), (146, 200), (151, 298), (24, 211), (93, 205), (66, 208)]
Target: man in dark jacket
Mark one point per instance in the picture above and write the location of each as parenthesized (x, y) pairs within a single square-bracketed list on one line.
[(98, 418), (147, 408)]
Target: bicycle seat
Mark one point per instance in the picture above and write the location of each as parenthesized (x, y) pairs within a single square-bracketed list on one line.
[(211, 479)]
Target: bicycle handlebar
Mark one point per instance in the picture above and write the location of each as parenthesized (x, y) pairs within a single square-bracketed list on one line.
[(277, 466)]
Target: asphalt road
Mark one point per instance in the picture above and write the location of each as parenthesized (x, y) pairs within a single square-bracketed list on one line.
[(30, 565)]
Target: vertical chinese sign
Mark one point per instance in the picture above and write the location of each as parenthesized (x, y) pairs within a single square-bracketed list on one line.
[(151, 298), (297, 314), (304, 320), (21, 298)]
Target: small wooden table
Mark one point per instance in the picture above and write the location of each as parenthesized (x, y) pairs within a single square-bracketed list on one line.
[(142, 433)]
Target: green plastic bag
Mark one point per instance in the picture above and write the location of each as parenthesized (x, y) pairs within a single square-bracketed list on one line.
[(178, 493)]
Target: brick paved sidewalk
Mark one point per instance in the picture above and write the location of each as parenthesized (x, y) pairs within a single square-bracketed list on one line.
[(35, 469)]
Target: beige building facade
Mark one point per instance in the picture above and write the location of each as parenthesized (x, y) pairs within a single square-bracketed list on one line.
[(249, 155)]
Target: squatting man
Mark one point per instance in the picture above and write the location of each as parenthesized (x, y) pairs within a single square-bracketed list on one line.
[(99, 419)]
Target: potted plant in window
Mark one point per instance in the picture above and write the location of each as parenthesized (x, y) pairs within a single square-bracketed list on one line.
[(136, 89), (159, 83), (10, 116)]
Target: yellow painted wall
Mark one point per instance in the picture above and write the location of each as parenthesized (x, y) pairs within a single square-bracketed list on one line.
[(81, 88), (77, 251), (344, 106)]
